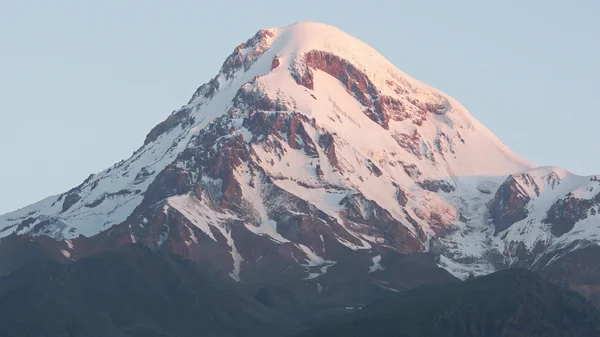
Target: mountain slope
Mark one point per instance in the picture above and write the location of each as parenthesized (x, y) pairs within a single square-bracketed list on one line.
[(129, 292), (405, 133), (308, 147), (513, 303)]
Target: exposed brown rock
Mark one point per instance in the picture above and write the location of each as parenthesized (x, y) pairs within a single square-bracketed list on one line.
[(171, 181), (394, 107), (410, 142), (327, 143), (564, 213), (373, 168), (401, 196), (246, 53), (380, 223), (509, 204), (356, 82), (251, 99), (275, 63), (436, 185), (296, 132)]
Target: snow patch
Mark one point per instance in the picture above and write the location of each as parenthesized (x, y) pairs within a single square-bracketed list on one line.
[(376, 264)]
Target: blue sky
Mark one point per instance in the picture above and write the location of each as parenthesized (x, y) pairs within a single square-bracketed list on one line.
[(81, 83)]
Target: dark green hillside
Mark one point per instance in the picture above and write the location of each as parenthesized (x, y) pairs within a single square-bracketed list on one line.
[(510, 303), (129, 292)]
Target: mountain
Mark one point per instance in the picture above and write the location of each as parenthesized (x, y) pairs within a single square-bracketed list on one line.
[(513, 302), (131, 291), (310, 157)]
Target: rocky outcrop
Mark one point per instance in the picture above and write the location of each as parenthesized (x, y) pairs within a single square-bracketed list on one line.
[(207, 90), (401, 196), (275, 63), (243, 57), (246, 53), (566, 212), (437, 185), (509, 204), (171, 181), (327, 143), (356, 82), (378, 222), (181, 117), (73, 196), (70, 200), (410, 142)]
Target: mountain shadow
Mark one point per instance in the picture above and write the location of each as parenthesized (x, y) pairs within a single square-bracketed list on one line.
[(514, 302), (132, 292)]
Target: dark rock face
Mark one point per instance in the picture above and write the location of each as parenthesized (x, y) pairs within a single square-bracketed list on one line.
[(181, 117), (379, 109), (564, 213), (401, 196), (251, 99), (319, 171), (523, 256), (289, 127), (246, 54), (25, 223), (171, 181), (511, 200), (373, 168), (305, 224), (243, 57), (275, 63), (298, 138), (207, 90), (437, 185), (327, 143), (509, 204), (377, 221), (72, 196), (70, 200)]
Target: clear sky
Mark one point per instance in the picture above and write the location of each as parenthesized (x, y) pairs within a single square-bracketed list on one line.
[(82, 82)]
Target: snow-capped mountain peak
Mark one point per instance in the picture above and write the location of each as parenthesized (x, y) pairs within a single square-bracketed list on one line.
[(308, 145)]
